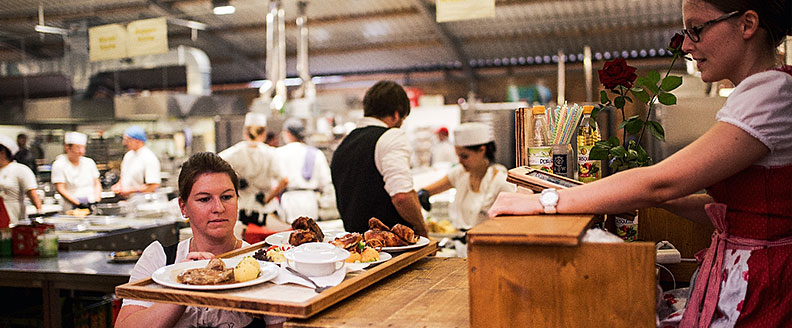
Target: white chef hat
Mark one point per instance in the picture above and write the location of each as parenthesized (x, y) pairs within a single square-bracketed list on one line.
[(75, 138), (9, 143), (471, 134), (255, 119)]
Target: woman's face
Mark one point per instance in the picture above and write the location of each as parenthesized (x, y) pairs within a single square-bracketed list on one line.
[(471, 159), (211, 206), (714, 53)]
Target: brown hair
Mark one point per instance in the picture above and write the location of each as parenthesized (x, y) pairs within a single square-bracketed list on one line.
[(774, 15), (255, 131), (489, 150), (201, 163), (384, 99)]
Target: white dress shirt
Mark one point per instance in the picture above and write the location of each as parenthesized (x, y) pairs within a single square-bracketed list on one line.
[(392, 157)]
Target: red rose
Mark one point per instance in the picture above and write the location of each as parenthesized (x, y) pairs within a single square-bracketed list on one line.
[(617, 72), (676, 43)]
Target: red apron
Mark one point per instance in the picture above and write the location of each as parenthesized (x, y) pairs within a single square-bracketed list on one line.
[(752, 210)]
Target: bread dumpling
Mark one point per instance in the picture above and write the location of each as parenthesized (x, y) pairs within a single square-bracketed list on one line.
[(247, 269)]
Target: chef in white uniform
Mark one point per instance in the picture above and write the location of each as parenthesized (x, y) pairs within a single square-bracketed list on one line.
[(75, 176), (259, 169), (140, 168), (16, 181), (308, 172), (478, 179)]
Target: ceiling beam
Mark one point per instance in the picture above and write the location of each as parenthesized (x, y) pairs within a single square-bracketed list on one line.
[(450, 40)]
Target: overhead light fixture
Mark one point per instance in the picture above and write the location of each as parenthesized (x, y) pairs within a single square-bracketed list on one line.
[(51, 30), (41, 28), (222, 7)]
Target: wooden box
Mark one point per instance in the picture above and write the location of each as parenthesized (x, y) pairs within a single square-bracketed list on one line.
[(533, 271)]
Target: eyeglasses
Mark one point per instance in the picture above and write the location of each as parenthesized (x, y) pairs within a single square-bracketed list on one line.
[(694, 33)]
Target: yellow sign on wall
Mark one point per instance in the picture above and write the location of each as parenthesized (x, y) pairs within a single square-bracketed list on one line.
[(107, 42), (147, 37), (454, 10)]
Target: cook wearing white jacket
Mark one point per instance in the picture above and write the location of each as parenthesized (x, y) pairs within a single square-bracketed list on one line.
[(75, 176), (478, 179), (257, 165), (308, 172)]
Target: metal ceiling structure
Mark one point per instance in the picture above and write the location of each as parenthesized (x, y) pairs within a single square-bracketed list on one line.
[(366, 36)]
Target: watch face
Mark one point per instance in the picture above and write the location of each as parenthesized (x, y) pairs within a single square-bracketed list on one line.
[(548, 197)]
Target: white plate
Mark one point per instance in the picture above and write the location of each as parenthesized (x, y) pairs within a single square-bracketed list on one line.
[(166, 276), (282, 238), (422, 241)]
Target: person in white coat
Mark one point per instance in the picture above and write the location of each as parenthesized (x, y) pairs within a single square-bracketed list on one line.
[(75, 176), (140, 168), (478, 179), (257, 165), (16, 181), (307, 170)]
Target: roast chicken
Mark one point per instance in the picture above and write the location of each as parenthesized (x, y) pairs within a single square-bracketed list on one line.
[(405, 233), (376, 224), (380, 238), (305, 231), (379, 235)]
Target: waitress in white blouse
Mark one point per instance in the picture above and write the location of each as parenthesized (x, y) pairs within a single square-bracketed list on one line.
[(478, 179)]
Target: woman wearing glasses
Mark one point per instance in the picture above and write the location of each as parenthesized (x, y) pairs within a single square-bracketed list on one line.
[(744, 161)]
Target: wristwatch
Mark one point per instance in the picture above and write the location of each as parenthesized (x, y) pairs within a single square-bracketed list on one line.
[(549, 199)]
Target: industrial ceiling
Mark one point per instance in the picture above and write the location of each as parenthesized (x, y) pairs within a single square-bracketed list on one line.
[(366, 36)]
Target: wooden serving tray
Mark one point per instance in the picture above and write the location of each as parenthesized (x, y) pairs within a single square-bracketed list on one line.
[(288, 300)]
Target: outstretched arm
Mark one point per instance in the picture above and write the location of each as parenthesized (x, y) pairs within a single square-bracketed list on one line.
[(709, 159)]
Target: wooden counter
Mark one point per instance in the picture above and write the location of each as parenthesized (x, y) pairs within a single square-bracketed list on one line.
[(432, 292), (533, 271)]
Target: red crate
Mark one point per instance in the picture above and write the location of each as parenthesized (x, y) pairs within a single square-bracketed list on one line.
[(25, 238)]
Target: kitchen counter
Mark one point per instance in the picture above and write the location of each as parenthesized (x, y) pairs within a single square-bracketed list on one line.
[(75, 270)]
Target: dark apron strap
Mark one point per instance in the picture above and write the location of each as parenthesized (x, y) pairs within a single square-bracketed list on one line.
[(170, 253)]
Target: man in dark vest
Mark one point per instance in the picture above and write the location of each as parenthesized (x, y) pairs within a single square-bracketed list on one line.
[(371, 166)]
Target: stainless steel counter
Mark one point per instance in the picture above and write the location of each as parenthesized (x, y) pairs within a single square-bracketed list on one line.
[(74, 270)]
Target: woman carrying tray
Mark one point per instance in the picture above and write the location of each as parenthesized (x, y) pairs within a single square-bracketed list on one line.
[(208, 188)]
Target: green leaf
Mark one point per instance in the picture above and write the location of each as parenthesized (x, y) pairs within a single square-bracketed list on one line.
[(622, 125), (634, 125), (641, 95), (613, 141), (656, 130), (619, 102), (628, 98), (618, 152), (604, 97), (671, 82), (599, 152), (642, 81), (654, 76), (667, 99)]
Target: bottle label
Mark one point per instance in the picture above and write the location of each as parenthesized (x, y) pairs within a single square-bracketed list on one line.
[(588, 170), (626, 227), (541, 158)]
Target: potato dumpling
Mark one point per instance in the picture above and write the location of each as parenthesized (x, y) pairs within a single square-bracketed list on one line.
[(369, 255), (353, 257), (247, 269)]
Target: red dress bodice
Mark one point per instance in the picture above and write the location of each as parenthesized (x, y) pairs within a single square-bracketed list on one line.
[(759, 202)]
